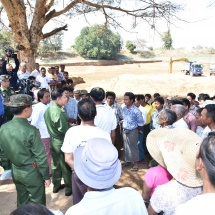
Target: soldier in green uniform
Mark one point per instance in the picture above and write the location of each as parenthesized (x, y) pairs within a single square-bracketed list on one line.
[(58, 124), (21, 144), (6, 93)]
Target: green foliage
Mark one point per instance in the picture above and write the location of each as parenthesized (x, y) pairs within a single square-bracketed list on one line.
[(150, 48), (5, 41), (98, 42), (130, 46), (51, 44), (167, 39)]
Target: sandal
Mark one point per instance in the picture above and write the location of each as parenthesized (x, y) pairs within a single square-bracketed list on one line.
[(125, 164), (135, 168)]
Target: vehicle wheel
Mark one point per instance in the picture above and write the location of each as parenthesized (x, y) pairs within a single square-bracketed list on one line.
[(210, 74)]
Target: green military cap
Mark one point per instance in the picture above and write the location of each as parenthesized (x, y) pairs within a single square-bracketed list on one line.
[(84, 92), (5, 77), (19, 100)]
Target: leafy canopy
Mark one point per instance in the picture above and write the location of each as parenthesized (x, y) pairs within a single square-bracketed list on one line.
[(98, 42), (167, 39)]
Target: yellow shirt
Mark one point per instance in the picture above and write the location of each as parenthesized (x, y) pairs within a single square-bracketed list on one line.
[(149, 109)]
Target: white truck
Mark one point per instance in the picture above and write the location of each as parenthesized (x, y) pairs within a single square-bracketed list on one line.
[(212, 69), (192, 68)]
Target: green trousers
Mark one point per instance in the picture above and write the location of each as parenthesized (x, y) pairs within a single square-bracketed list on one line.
[(59, 166), (29, 185)]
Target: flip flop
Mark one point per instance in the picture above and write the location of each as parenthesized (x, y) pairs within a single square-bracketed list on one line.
[(125, 164), (135, 168)]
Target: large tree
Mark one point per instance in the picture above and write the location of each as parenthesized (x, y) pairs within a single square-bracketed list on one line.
[(98, 42), (27, 18)]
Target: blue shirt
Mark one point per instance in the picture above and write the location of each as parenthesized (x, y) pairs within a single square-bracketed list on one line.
[(132, 118), (1, 106), (154, 121), (71, 108)]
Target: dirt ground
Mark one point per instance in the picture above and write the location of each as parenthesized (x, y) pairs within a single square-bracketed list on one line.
[(144, 78), (136, 78)]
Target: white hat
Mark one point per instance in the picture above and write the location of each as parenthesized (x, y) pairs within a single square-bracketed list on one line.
[(153, 141), (179, 151), (97, 164)]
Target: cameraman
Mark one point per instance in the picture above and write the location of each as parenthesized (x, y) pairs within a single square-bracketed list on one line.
[(7, 69)]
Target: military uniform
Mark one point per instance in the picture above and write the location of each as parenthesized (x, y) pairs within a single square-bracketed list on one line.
[(21, 144), (6, 96), (1, 109), (57, 124)]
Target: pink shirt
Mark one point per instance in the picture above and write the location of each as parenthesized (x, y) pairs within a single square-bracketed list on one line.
[(191, 120), (156, 176)]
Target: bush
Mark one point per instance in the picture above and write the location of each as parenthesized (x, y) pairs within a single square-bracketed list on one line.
[(130, 46), (98, 42)]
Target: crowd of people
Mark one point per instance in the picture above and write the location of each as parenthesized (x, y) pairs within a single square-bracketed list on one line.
[(79, 136)]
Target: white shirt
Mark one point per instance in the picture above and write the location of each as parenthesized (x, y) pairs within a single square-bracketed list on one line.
[(205, 132), (105, 119), (168, 196), (144, 113), (37, 119), (199, 130), (123, 201), (22, 75), (43, 81), (35, 73), (199, 205), (180, 124), (79, 135)]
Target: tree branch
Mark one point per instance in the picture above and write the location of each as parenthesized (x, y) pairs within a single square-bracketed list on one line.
[(55, 13), (49, 4), (46, 35)]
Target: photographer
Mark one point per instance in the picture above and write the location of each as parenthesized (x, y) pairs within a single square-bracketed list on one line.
[(7, 69)]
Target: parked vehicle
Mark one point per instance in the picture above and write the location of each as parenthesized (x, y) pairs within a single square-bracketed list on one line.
[(212, 69), (192, 68)]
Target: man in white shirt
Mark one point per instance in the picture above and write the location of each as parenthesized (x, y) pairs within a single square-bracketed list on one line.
[(37, 119), (180, 112), (208, 116), (112, 105), (105, 118), (36, 71), (43, 79), (97, 165), (78, 136), (23, 73)]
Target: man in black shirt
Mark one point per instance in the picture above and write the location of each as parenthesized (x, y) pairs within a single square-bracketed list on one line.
[(7, 69)]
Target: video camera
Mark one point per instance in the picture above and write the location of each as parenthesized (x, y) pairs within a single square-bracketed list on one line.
[(25, 85), (10, 53)]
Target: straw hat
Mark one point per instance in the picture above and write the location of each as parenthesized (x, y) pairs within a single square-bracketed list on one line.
[(179, 149), (153, 141)]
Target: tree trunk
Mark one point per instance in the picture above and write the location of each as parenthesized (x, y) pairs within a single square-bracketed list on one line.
[(28, 56)]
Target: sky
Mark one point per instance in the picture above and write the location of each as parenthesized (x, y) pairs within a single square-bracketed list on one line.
[(198, 30)]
